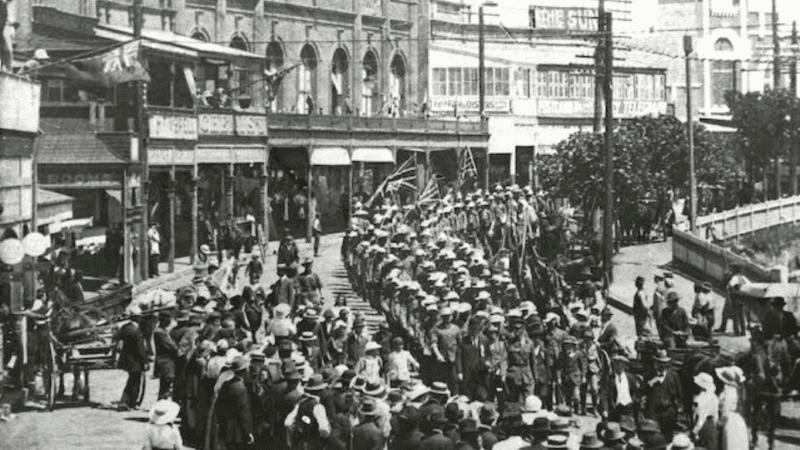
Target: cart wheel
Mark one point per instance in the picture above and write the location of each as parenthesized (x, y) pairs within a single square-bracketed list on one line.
[(86, 386)]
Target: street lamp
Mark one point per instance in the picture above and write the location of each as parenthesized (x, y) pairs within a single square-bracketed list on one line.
[(481, 60)]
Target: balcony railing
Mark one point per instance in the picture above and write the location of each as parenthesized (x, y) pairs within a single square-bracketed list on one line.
[(305, 121)]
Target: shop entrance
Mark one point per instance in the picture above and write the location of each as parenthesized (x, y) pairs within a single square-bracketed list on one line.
[(288, 191)]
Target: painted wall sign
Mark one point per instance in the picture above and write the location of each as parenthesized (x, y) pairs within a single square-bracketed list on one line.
[(216, 124), (469, 104), (585, 108), (251, 125), (571, 19), (173, 127), (80, 177)]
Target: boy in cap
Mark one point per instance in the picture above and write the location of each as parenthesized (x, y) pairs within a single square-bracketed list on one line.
[(166, 353)]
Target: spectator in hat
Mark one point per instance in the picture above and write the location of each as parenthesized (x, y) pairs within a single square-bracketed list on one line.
[(674, 319), (161, 430), (705, 417), (367, 435), (590, 441), (573, 372), (132, 358), (310, 283), (400, 363), (519, 381), (471, 360), (469, 435), (285, 289), (642, 307), (307, 425), (497, 357), (408, 435), (608, 331), (622, 390), (591, 384), (356, 342), (664, 395), (447, 337), (614, 437), (166, 353), (233, 411), (310, 349), (370, 366), (288, 254)]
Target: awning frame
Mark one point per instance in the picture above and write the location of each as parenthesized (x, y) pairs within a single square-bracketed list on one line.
[(329, 156)]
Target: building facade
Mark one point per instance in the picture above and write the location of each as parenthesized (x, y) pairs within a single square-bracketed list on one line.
[(258, 112), (539, 78)]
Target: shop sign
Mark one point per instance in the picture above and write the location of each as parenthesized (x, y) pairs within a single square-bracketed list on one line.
[(570, 19), (173, 127), (83, 177), (216, 124), (251, 125), (470, 104), (585, 108)]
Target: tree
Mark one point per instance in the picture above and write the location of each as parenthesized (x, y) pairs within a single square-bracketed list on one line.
[(651, 160), (763, 120)]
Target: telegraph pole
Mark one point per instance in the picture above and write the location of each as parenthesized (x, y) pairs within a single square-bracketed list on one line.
[(776, 53), (793, 87), (144, 253), (598, 62), (481, 70), (608, 214), (687, 50)]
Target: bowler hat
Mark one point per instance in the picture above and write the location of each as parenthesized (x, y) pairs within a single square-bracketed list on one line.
[(613, 432), (315, 383), (590, 441)]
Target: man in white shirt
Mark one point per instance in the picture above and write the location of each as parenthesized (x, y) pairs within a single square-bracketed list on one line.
[(154, 238), (622, 390)]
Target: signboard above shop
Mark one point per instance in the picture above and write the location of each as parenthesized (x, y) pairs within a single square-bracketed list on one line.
[(459, 105), (173, 127), (565, 19)]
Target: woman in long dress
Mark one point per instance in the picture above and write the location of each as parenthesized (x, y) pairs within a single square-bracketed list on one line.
[(733, 428)]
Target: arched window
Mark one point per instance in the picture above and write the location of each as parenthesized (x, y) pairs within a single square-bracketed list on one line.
[(370, 103), (307, 80), (200, 36), (340, 83), (275, 65), (723, 73), (238, 42), (398, 85)]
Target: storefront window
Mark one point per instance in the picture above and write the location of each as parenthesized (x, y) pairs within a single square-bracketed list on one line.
[(307, 81), (370, 103)]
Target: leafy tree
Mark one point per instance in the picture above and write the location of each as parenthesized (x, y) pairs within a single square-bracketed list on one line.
[(651, 160), (763, 120)]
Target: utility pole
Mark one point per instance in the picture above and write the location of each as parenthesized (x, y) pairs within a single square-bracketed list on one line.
[(481, 70), (793, 87), (598, 63), (776, 53), (608, 213), (687, 50), (144, 252)]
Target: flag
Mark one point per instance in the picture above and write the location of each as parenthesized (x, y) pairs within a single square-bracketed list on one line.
[(119, 65)]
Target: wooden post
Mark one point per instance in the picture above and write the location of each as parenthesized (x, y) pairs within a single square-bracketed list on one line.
[(171, 193), (195, 243), (229, 191), (309, 213)]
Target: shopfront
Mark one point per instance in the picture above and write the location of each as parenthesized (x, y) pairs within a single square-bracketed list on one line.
[(331, 168)]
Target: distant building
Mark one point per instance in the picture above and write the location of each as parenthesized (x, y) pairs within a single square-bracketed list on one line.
[(540, 77)]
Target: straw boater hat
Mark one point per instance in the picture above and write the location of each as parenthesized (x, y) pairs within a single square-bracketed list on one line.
[(731, 375), (681, 442), (556, 442), (164, 412), (705, 381), (372, 345), (440, 388)]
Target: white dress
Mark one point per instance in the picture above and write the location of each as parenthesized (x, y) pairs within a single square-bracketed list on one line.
[(734, 429)]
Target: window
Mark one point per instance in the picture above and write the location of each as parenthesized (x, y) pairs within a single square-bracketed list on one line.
[(454, 81), (471, 82), (723, 73), (488, 80), (369, 94), (307, 80), (439, 82), (502, 82), (522, 83)]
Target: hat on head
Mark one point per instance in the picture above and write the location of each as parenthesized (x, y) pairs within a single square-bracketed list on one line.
[(570, 340), (359, 322), (606, 312), (372, 345), (467, 426), (634, 443), (532, 404), (620, 358), (307, 336), (205, 249), (540, 426), (731, 375), (626, 423), (369, 407), (590, 441), (705, 381), (613, 432), (681, 442), (649, 426), (661, 355), (551, 316), (488, 413), (673, 296), (446, 312), (556, 441), (164, 412), (315, 383), (239, 363), (375, 388), (440, 388)]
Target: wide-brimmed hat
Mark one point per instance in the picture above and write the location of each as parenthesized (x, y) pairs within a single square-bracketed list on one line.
[(239, 363), (556, 441), (369, 407), (673, 296), (681, 442), (613, 432), (533, 404), (315, 383), (164, 412), (731, 375), (372, 345), (375, 388), (620, 358), (540, 426), (40, 54), (649, 426), (661, 355), (205, 249), (440, 388), (311, 313), (634, 443), (705, 381), (590, 440), (308, 336), (626, 423)]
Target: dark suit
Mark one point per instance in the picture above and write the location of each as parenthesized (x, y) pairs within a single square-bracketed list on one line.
[(407, 441), (164, 368), (616, 411), (132, 359), (368, 436), (471, 362), (234, 416), (437, 441), (542, 362), (665, 402), (608, 335)]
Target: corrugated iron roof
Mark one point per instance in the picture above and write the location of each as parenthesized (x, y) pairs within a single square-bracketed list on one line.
[(83, 148), (45, 197)]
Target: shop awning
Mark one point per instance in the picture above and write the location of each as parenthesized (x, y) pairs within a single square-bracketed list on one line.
[(52, 207), (373, 155), (330, 156), (72, 224)]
